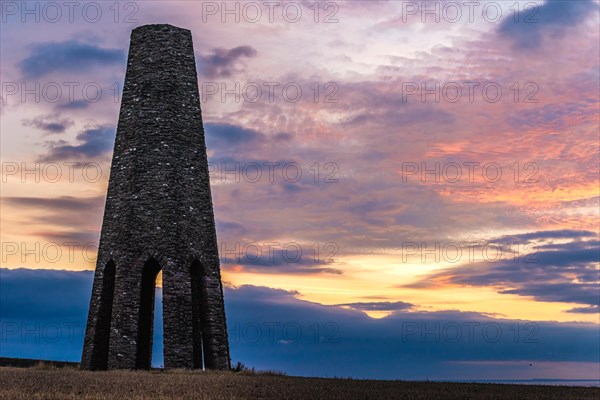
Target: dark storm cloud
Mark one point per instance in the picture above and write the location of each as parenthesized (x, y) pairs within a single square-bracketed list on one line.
[(546, 21), (273, 329), (220, 63), (69, 56), (49, 124), (95, 143)]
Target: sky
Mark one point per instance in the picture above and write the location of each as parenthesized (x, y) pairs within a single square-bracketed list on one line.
[(402, 190)]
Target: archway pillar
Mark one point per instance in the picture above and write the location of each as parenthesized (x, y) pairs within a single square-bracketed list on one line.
[(125, 314), (95, 355), (177, 316)]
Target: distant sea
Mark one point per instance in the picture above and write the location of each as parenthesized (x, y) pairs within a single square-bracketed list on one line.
[(553, 382)]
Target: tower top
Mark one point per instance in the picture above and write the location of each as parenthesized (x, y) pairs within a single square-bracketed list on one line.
[(158, 27)]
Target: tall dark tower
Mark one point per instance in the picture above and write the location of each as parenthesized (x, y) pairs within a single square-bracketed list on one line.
[(158, 217)]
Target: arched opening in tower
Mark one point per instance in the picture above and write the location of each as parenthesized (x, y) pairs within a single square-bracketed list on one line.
[(150, 271), (102, 334), (199, 310), (157, 359)]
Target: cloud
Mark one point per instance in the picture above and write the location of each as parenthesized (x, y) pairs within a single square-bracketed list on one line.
[(56, 204), (24, 292), (585, 310), (378, 105), (379, 306), (273, 329), (230, 228), (548, 21), (43, 313), (97, 142), (405, 345), (280, 258), (81, 216), (81, 238), (543, 235), (224, 136), (550, 116), (49, 123), (553, 272), (69, 56), (231, 144), (73, 105), (221, 62)]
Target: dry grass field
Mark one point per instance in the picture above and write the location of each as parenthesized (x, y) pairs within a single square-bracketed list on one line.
[(70, 383)]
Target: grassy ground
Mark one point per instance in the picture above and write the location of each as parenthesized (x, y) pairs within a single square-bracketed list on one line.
[(70, 383)]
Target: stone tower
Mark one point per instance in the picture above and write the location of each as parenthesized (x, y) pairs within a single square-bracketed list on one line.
[(158, 217)]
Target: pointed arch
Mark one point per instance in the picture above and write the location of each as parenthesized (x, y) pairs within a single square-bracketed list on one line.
[(143, 356), (101, 337)]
